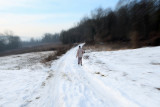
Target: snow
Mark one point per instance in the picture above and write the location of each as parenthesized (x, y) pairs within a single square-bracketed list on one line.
[(134, 74), (21, 77), (125, 78)]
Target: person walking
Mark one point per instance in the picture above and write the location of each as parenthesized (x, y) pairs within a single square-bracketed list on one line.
[(80, 55)]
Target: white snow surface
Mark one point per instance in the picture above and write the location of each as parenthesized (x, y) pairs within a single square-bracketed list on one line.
[(125, 78)]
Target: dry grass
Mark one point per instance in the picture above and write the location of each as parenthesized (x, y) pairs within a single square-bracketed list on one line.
[(107, 47), (86, 57), (37, 97), (44, 47), (60, 51), (103, 75), (158, 89), (97, 72), (49, 76), (155, 63), (100, 74)]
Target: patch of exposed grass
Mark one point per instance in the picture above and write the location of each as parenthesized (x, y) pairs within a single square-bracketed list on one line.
[(124, 74), (43, 84), (155, 63), (158, 89), (57, 54), (49, 76), (86, 57), (106, 46), (97, 72), (100, 74), (37, 97), (29, 101)]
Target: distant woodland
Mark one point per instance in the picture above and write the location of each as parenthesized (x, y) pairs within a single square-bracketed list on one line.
[(136, 23), (9, 41), (133, 22)]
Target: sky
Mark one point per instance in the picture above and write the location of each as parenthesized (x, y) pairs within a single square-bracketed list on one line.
[(34, 18)]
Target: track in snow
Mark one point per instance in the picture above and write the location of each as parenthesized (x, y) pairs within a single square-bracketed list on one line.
[(74, 86)]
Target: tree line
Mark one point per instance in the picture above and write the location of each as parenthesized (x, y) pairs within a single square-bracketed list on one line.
[(9, 41), (46, 38), (136, 23)]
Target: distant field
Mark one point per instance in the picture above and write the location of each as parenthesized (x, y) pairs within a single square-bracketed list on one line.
[(44, 47)]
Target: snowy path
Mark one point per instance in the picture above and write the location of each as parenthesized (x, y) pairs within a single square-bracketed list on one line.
[(75, 87)]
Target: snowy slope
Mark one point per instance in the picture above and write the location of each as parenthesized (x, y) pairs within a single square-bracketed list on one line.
[(134, 74), (21, 78), (126, 78)]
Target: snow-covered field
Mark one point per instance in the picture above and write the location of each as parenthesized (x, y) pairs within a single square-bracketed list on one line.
[(22, 77), (126, 78)]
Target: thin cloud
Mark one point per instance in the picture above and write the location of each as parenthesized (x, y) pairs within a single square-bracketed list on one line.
[(25, 18), (36, 17), (5, 4), (35, 25)]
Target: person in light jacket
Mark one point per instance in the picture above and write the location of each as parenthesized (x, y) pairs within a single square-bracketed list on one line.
[(80, 55)]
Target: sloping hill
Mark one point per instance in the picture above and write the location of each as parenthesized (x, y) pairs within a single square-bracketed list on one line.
[(126, 78)]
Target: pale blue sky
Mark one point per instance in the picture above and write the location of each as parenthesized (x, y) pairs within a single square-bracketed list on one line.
[(33, 18)]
